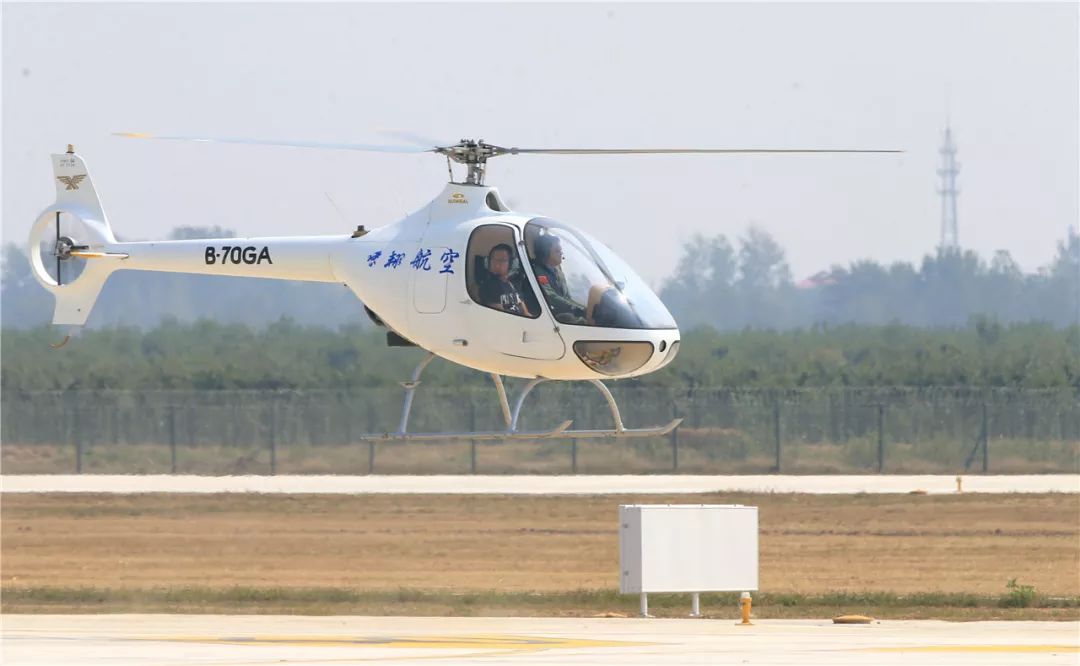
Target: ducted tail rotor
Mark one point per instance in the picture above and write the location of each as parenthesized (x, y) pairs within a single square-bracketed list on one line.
[(60, 250)]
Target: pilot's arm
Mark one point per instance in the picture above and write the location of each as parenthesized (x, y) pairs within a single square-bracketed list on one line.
[(524, 307), (521, 302), (560, 303)]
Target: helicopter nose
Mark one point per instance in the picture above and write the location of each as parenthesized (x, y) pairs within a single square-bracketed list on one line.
[(670, 351)]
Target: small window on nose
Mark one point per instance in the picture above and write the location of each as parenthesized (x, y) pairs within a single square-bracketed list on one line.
[(613, 358)]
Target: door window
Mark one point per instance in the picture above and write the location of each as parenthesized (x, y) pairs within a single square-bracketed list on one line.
[(494, 275), (586, 284)]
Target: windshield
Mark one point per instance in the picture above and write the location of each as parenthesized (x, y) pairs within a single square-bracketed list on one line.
[(586, 284)]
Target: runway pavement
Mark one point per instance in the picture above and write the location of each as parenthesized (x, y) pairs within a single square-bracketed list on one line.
[(161, 640), (537, 485)]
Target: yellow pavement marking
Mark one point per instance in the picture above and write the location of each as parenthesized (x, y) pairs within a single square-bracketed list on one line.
[(979, 648), (411, 642)]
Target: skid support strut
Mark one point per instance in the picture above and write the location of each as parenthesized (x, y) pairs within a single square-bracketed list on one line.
[(512, 417), (618, 431), (503, 403), (403, 435), (410, 391)]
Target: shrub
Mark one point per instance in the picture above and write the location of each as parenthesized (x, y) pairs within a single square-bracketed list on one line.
[(1018, 596)]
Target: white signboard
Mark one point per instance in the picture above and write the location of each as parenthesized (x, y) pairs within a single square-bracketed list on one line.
[(688, 548)]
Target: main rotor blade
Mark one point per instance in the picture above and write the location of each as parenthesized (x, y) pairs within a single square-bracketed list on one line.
[(367, 147), (688, 151), (413, 137)]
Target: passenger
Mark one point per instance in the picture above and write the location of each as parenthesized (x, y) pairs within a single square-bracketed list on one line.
[(549, 275), (499, 291)]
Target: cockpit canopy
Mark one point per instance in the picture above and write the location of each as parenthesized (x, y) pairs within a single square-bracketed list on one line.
[(585, 283)]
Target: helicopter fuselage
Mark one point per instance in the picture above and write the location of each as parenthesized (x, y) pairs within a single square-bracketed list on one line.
[(434, 306), (423, 277)]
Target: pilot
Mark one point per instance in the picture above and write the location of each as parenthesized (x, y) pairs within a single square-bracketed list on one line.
[(549, 274), (499, 291)]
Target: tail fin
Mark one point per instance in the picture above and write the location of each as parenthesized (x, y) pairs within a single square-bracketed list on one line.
[(75, 227)]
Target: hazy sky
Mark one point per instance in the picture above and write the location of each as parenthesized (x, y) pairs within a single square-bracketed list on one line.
[(730, 75)]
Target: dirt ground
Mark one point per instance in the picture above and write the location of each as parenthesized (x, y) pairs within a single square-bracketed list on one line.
[(809, 544)]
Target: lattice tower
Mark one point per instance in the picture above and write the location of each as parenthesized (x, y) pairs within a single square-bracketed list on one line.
[(950, 237)]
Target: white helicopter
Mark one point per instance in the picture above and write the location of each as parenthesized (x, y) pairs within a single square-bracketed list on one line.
[(463, 277)]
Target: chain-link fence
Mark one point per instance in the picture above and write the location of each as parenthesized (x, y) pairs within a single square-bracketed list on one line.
[(726, 431)]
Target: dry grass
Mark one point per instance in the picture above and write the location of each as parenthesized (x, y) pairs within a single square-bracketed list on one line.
[(810, 544)]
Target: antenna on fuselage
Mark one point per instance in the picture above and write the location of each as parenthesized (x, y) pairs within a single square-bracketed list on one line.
[(334, 204)]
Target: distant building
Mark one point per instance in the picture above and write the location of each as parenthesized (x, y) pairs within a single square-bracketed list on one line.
[(819, 279)]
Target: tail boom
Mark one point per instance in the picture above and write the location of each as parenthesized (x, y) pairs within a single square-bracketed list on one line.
[(305, 259)]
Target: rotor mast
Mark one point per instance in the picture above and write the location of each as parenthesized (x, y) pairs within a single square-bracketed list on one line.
[(474, 155)]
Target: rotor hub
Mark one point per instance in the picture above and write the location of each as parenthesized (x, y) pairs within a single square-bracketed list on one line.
[(474, 155), (64, 246)]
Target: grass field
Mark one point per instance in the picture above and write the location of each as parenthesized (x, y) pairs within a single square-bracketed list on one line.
[(890, 555)]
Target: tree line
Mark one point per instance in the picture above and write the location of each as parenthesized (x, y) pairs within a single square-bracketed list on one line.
[(749, 284)]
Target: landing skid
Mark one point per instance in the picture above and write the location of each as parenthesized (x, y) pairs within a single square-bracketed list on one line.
[(512, 418)]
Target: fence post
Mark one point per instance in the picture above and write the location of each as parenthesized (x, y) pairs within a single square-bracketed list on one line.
[(577, 422), (881, 437), (776, 432), (985, 441), (372, 425), (272, 422), (189, 420), (172, 439), (472, 428), (674, 438), (114, 426), (77, 435)]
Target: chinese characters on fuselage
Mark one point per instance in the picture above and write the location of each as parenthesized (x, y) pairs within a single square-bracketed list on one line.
[(420, 262)]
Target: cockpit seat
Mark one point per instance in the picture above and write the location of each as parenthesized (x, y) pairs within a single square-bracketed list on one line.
[(480, 275)]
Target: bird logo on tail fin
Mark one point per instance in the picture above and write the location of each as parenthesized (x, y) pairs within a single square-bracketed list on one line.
[(72, 182)]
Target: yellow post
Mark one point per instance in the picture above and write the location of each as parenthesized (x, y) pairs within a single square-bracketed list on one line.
[(745, 601), (959, 482)]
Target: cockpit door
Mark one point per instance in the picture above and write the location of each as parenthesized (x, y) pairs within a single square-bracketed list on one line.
[(497, 317)]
